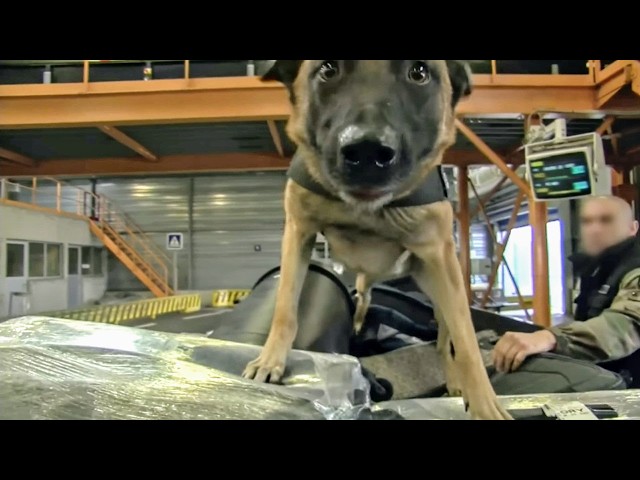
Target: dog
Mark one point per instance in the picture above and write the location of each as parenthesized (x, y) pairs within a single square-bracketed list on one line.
[(370, 136)]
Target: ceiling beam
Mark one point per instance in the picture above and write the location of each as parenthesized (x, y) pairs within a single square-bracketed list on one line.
[(614, 77), (275, 135), (124, 139), (18, 158), (606, 124), (229, 99), (184, 164), (494, 157)]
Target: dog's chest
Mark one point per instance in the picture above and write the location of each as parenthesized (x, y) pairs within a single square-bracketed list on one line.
[(363, 251)]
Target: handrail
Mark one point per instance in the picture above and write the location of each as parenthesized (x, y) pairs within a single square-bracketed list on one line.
[(135, 254), (99, 209), (135, 237), (126, 218)]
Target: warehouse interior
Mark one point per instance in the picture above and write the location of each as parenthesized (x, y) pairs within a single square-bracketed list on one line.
[(129, 182)]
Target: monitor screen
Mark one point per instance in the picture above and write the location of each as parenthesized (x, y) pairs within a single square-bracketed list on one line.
[(565, 175)]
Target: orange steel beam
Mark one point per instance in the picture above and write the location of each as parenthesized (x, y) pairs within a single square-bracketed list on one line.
[(614, 77), (250, 99), (14, 157), (275, 136), (606, 124), (464, 227), (488, 196), (127, 141), (482, 202), (228, 162), (500, 248), (492, 156), (494, 239), (538, 217), (219, 162)]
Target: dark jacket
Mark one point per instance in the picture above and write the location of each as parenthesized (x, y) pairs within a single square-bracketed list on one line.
[(609, 329)]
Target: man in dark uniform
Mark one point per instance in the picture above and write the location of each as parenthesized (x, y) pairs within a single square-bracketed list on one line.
[(607, 313)]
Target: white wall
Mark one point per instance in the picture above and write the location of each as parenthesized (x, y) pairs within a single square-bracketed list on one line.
[(93, 288), (46, 294)]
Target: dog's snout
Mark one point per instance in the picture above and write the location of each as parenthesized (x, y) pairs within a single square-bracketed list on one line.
[(365, 153), (368, 147)]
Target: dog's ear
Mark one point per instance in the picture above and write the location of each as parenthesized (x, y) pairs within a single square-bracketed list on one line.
[(460, 76), (284, 71)]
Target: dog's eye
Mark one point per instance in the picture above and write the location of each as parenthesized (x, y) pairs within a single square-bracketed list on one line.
[(419, 73), (328, 70)]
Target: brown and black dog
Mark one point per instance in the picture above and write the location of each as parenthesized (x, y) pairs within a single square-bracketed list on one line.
[(371, 133)]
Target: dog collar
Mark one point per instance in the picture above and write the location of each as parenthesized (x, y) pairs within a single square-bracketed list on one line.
[(432, 190)]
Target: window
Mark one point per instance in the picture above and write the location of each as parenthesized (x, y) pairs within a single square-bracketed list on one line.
[(15, 260), (73, 261), (92, 261), (97, 261), (86, 260), (43, 259), (53, 260), (36, 259)]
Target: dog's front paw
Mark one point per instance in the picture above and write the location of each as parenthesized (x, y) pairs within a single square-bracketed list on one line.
[(487, 408), (269, 366)]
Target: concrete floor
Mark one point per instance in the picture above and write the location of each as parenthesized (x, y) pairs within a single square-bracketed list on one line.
[(202, 322)]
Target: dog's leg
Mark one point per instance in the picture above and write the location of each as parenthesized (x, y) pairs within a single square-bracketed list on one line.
[(454, 387), (437, 271), (297, 245), (363, 295)]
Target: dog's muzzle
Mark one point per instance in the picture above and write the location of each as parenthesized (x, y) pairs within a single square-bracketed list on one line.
[(367, 157)]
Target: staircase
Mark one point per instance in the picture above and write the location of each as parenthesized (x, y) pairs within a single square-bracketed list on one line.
[(131, 245), (115, 229)]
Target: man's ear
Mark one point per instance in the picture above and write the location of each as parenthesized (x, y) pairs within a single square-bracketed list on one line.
[(460, 76), (284, 71)]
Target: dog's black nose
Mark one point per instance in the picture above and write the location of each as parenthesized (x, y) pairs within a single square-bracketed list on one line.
[(366, 153)]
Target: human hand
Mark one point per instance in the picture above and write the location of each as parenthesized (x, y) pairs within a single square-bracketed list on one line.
[(514, 347)]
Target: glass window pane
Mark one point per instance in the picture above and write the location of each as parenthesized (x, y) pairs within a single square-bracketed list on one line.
[(53, 260), (86, 260), (73, 261), (36, 259), (15, 260), (97, 261)]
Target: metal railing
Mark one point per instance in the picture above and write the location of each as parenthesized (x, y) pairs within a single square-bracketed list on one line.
[(54, 196), (593, 67), (137, 310)]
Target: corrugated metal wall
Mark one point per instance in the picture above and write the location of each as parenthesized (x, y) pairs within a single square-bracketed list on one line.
[(237, 224)]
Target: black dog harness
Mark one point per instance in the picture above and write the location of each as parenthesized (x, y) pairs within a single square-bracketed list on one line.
[(432, 190)]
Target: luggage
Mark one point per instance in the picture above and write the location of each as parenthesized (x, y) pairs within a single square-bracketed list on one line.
[(397, 343)]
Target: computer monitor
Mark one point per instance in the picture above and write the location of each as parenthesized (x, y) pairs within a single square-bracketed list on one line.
[(567, 167), (562, 175)]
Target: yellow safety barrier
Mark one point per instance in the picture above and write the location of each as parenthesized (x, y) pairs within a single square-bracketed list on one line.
[(228, 298), (125, 312)]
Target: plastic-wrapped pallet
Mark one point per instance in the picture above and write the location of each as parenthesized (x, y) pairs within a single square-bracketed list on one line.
[(65, 369)]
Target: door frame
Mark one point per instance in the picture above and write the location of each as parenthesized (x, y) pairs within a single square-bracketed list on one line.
[(71, 294), (13, 282)]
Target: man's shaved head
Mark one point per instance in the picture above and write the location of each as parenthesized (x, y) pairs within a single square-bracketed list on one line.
[(604, 222)]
